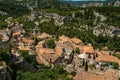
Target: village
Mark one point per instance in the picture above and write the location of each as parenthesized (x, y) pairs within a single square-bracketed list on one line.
[(70, 52)]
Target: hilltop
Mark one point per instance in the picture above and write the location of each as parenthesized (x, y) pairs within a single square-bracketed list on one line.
[(49, 39)]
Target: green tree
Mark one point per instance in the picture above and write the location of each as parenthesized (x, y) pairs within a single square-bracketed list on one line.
[(73, 73), (117, 55), (77, 50), (86, 66), (44, 74), (5, 56), (35, 41), (50, 43), (29, 58)]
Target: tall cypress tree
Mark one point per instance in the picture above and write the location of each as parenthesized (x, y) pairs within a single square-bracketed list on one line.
[(86, 66)]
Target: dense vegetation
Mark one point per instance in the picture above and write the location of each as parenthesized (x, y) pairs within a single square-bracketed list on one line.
[(117, 55), (4, 56), (83, 16), (112, 13), (50, 43), (44, 73), (12, 9), (112, 64), (29, 58)]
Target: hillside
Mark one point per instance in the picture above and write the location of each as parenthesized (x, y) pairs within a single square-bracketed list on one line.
[(31, 28), (89, 22)]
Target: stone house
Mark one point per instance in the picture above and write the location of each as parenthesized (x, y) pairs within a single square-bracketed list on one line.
[(89, 51), (49, 57), (76, 41), (68, 55)]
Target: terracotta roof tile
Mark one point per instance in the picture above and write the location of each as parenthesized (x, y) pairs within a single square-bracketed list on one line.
[(46, 50), (107, 58), (88, 49), (50, 57), (16, 33), (107, 75), (38, 60), (59, 50), (110, 75), (64, 38), (40, 44), (76, 40), (22, 47), (81, 75), (44, 35), (27, 40)]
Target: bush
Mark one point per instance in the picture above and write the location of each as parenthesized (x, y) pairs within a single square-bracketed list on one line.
[(77, 50), (73, 73), (50, 44), (117, 55), (4, 56), (29, 58)]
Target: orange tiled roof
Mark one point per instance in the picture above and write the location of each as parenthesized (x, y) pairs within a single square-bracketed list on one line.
[(81, 75), (38, 60), (88, 49), (107, 58), (48, 54), (76, 40), (59, 50), (110, 75), (40, 44), (119, 62), (44, 35), (64, 38), (50, 57), (16, 33), (27, 40), (22, 47), (45, 50), (107, 75)]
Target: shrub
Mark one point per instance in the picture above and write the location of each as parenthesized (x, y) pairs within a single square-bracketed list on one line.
[(73, 73)]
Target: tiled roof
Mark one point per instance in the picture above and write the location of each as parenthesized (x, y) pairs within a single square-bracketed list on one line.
[(50, 57), (58, 50), (119, 62), (88, 49), (40, 44), (107, 75), (22, 47), (46, 50), (38, 60), (27, 40), (64, 38), (76, 40), (48, 54), (107, 58), (16, 33), (44, 35), (81, 75)]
